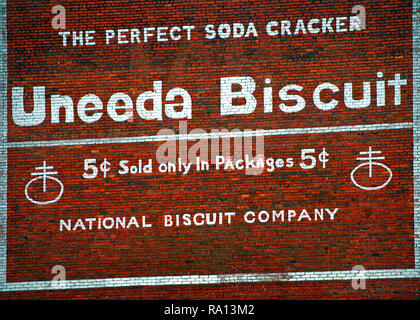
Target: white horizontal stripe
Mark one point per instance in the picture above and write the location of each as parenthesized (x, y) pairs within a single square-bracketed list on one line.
[(214, 279), (214, 135)]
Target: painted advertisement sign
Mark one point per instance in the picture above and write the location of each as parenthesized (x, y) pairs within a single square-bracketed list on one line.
[(178, 142)]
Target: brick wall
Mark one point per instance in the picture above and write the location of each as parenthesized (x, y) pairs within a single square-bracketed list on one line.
[(296, 258)]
